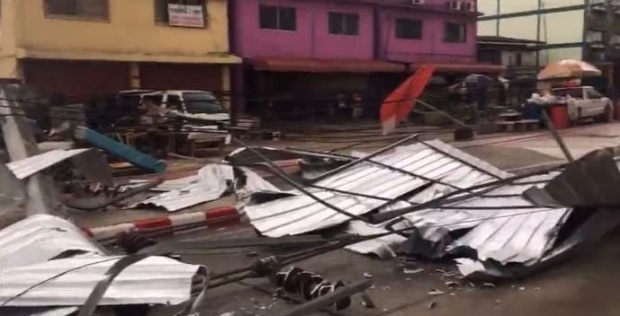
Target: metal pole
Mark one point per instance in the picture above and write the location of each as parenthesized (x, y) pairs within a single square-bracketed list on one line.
[(557, 137), (538, 22), (498, 21), (609, 30), (448, 116), (610, 8), (363, 159)]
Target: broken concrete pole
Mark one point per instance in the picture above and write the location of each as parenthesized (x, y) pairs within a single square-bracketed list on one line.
[(20, 144)]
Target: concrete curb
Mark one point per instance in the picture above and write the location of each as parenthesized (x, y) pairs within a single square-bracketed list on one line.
[(214, 218)]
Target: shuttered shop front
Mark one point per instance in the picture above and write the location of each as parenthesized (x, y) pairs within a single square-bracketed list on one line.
[(76, 79), (160, 76)]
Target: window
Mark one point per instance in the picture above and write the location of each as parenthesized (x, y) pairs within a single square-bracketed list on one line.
[(174, 102), (201, 102), (593, 94), (93, 9), (278, 18), (455, 33), (343, 23), (161, 8), (408, 29), (518, 60), (572, 92)]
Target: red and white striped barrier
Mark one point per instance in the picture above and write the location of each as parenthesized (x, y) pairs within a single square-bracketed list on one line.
[(217, 217)]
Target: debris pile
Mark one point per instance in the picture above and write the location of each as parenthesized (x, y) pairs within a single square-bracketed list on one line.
[(414, 199), (450, 203), (46, 262)]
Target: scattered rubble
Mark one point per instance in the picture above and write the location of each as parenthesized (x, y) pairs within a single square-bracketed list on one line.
[(426, 200)]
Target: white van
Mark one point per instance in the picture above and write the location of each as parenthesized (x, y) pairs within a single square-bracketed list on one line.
[(205, 114)]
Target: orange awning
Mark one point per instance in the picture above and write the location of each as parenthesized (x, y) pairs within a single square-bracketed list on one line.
[(325, 65), (464, 68)]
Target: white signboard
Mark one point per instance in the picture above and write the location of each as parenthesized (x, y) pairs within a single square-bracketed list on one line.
[(186, 15)]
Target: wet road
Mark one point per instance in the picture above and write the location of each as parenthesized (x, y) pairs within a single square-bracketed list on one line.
[(585, 285)]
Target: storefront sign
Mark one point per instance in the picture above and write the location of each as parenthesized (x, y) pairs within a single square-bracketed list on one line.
[(186, 15)]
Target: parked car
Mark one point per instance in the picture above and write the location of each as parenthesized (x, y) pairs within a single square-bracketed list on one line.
[(586, 102)]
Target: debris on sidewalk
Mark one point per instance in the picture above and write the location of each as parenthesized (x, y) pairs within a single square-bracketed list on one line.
[(43, 255), (403, 182), (211, 182), (435, 292), (414, 199)]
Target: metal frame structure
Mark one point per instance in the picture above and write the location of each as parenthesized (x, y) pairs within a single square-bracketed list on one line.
[(540, 11)]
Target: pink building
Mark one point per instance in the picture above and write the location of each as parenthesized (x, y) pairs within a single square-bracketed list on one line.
[(323, 47)]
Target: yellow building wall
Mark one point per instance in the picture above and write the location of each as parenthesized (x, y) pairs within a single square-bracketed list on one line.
[(130, 34)]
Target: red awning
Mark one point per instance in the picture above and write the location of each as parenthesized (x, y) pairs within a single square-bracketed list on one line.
[(465, 68), (325, 65)]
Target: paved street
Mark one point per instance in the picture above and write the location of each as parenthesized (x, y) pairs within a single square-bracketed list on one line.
[(585, 285)]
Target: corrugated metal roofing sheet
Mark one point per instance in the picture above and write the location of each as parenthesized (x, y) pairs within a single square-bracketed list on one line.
[(37, 311), (38, 239), (27, 261), (211, 182), (168, 185), (505, 229), (508, 234), (26, 167), (154, 280), (300, 214)]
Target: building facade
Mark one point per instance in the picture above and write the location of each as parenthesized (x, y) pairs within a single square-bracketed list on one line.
[(83, 48), (323, 48)]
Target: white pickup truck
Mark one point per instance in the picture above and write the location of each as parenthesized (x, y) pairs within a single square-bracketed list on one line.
[(585, 102)]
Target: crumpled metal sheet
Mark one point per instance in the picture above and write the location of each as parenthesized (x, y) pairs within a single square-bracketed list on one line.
[(40, 238), (27, 167), (300, 214), (211, 182), (591, 181), (155, 280), (510, 234), (587, 235), (38, 249), (168, 185), (255, 183), (506, 235), (37, 311)]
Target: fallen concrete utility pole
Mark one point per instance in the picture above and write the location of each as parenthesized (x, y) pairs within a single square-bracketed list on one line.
[(20, 144)]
